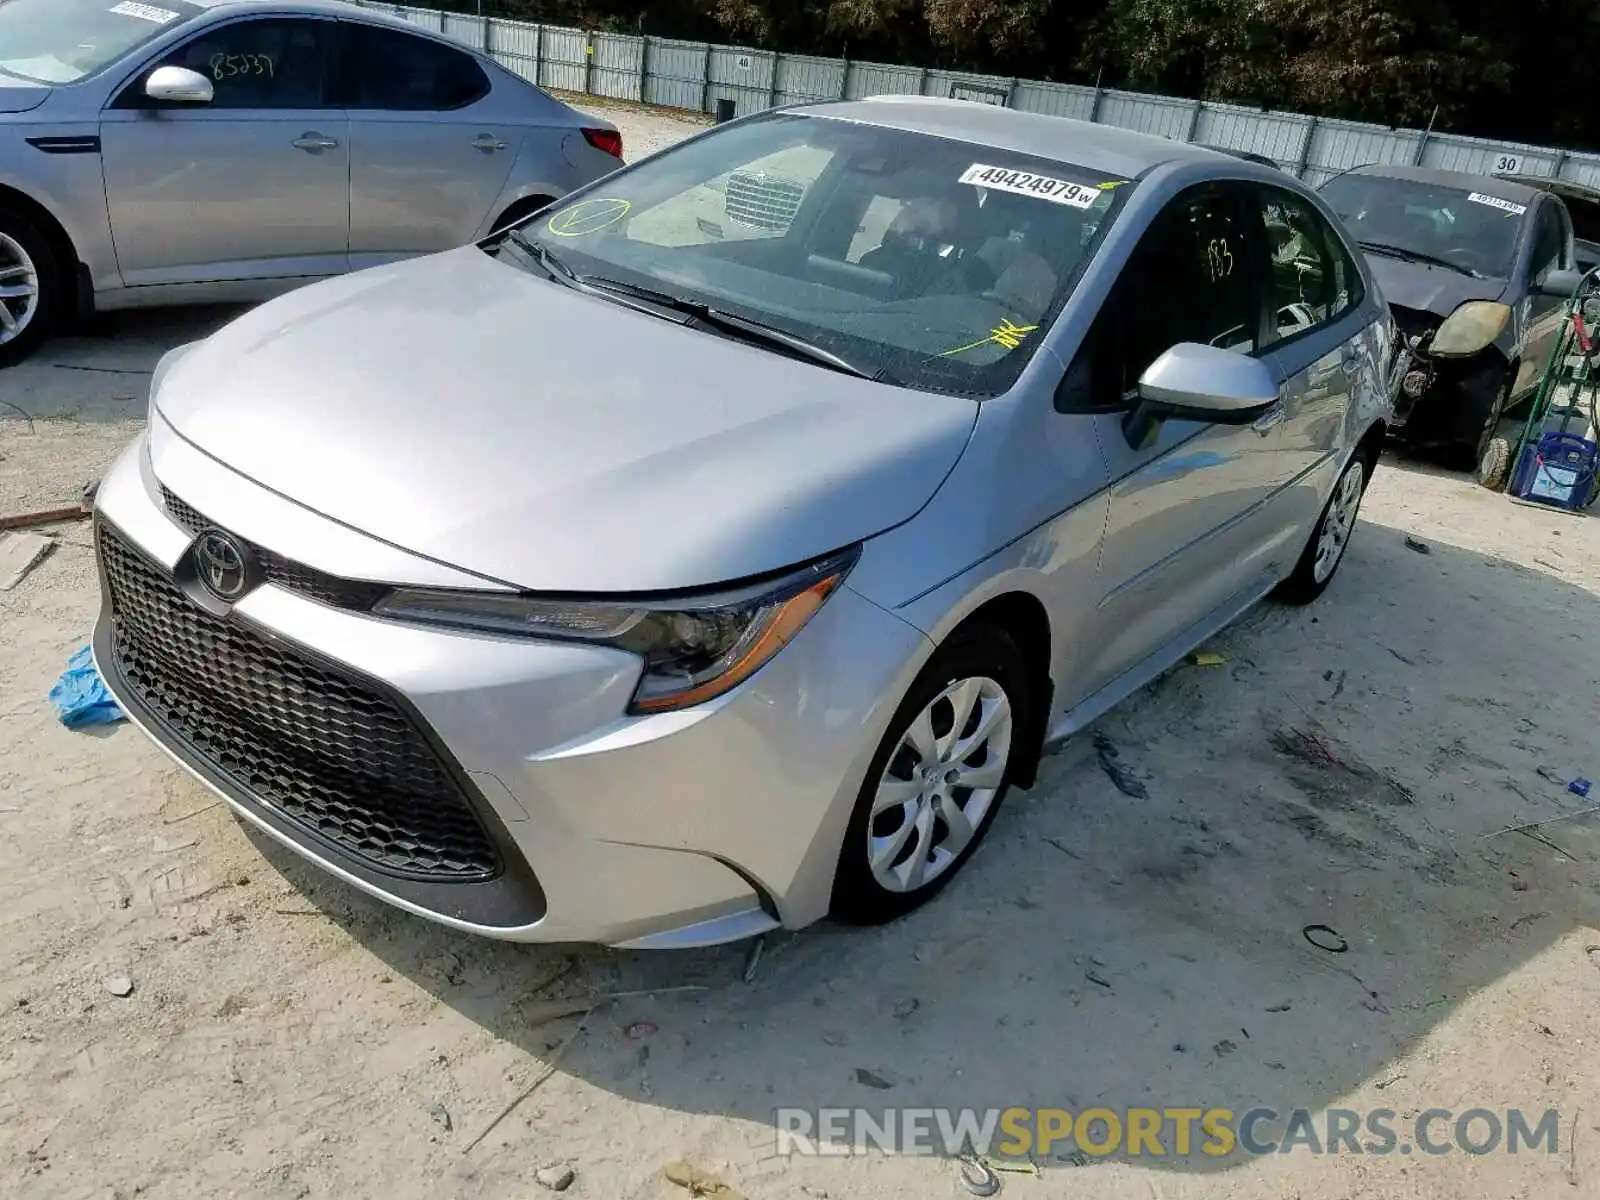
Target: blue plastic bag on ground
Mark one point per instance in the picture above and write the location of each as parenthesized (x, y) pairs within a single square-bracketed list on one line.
[(80, 694)]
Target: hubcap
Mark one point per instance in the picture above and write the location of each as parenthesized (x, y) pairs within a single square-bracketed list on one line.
[(19, 289), (1339, 522), (939, 785)]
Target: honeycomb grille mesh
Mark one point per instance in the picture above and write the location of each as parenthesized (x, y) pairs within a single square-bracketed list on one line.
[(327, 753)]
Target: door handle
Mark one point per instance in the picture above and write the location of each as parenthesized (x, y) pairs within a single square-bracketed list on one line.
[(315, 143), (488, 143), (1269, 420)]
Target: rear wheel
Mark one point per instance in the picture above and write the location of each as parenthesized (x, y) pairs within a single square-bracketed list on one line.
[(937, 780), (32, 287), (1325, 549)]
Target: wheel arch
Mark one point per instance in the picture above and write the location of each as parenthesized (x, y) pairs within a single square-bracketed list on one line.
[(517, 207), (61, 242), (1022, 617)]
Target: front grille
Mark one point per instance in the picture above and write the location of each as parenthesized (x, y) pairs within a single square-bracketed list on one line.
[(296, 577), (331, 755), (762, 201)]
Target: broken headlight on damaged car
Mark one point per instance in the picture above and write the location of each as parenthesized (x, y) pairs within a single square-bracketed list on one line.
[(694, 647), (1472, 328)]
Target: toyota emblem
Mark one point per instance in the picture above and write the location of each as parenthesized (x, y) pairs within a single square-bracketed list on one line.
[(221, 564)]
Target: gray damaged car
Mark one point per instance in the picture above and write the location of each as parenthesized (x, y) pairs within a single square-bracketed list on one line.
[(1476, 271), (229, 150)]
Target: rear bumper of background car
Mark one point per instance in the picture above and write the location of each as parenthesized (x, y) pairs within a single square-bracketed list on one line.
[(677, 829)]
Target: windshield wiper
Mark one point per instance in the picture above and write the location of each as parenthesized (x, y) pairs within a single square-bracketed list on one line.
[(744, 327), (1418, 256), (559, 271)]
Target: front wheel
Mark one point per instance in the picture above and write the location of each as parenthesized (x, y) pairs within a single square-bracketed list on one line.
[(937, 780), (1325, 549), (31, 287)]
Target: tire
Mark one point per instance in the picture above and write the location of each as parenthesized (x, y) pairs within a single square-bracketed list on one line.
[(983, 671), (30, 267), (1324, 551), (1495, 464), (1486, 422)]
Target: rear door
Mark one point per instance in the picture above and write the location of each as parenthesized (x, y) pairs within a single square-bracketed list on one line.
[(255, 184), (1188, 522), (428, 155)]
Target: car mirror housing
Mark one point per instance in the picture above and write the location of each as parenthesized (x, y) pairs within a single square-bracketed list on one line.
[(179, 85), (1561, 283), (1193, 382)]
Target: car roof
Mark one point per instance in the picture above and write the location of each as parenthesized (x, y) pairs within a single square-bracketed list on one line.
[(1561, 187), (1097, 147), (1506, 189)]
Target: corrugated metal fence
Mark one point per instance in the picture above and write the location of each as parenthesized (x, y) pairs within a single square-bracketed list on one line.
[(695, 75)]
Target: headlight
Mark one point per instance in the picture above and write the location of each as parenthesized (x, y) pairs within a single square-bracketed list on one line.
[(694, 647), (1471, 328)]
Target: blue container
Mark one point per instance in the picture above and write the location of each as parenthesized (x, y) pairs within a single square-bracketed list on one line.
[(1558, 470)]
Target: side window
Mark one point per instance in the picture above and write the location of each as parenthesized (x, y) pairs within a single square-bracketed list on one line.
[(1312, 280), (1188, 280), (276, 63), (392, 71), (1549, 240)]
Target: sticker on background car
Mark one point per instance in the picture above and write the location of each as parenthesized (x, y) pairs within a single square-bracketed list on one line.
[(145, 12), (1516, 210)]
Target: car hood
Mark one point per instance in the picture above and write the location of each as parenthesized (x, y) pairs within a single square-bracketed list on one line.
[(20, 96), (1436, 290), (466, 410)]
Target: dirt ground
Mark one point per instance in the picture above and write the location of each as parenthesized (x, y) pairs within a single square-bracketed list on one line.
[(1349, 764)]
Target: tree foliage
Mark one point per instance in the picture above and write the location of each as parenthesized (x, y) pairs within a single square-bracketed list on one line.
[(1494, 68)]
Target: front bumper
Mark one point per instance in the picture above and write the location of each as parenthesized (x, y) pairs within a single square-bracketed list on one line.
[(676, 829)]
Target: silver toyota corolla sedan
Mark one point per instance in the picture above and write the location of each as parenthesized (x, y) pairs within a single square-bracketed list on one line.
[(712, 552), (221, 150)]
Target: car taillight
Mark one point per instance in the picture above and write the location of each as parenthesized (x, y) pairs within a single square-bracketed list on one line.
[(608, 140)]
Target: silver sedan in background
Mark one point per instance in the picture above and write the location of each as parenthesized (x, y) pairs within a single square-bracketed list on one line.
[(228, 150), (741, 529)]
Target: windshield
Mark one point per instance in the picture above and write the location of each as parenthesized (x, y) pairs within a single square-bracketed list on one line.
[(917, 260), (63, 41), (1473, 232)]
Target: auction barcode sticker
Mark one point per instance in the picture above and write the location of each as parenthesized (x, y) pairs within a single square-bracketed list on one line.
[(1516, 210), (145, 12), (1026, 183)]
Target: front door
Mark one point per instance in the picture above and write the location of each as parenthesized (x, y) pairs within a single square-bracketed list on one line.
[(1544, 316), (1187, 525), (253, 185), (428, 155)]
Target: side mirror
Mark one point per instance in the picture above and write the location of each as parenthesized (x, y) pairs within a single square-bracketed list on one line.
[(1560, 283), (1191, 382), (179, 85)]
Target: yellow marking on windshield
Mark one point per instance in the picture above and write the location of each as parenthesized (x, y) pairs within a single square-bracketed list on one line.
[(1110, 183), (1007, 334), (588, 216)]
